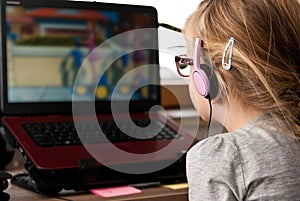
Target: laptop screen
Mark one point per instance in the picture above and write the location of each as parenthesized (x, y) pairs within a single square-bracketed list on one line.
[(85, 50)]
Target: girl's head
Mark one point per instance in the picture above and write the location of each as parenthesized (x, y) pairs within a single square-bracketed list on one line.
[(265, 72)]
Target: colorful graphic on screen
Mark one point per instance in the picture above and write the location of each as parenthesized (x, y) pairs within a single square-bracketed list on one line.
[(46, 47)]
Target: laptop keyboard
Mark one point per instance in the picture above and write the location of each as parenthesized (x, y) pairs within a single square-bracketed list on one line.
[(64, 133)]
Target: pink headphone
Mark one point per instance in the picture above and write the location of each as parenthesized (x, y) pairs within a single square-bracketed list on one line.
[(204, 78)]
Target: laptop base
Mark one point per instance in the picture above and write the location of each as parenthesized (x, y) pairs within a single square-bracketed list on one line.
[(54, 182)]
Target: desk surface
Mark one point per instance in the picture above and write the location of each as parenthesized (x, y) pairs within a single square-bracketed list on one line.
[(154, 193)]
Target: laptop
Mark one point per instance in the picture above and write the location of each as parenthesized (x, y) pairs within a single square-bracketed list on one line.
[(88, 68)]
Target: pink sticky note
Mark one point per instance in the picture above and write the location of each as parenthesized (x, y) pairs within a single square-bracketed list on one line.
[(115, 191)]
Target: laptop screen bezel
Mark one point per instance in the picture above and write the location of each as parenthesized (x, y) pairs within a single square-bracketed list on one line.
[(61, 108)]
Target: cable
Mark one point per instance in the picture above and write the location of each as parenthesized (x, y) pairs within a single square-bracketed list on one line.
[(210, 117), (167, 26)]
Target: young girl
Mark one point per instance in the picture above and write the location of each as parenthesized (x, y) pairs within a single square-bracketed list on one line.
[(245, 73)]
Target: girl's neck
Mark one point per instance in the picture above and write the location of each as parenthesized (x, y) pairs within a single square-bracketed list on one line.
[(236, 117)]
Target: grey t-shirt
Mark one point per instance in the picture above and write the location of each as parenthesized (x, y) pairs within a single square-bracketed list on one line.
[(255, 162)]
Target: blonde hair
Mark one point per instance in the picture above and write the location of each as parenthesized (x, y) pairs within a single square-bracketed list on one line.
[(266, 56)]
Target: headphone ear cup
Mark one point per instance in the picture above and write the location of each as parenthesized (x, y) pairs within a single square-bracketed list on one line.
[(205, 80), (212, 79), (201, 82)]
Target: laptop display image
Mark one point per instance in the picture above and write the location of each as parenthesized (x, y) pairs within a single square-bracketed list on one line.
[(45, 46)]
